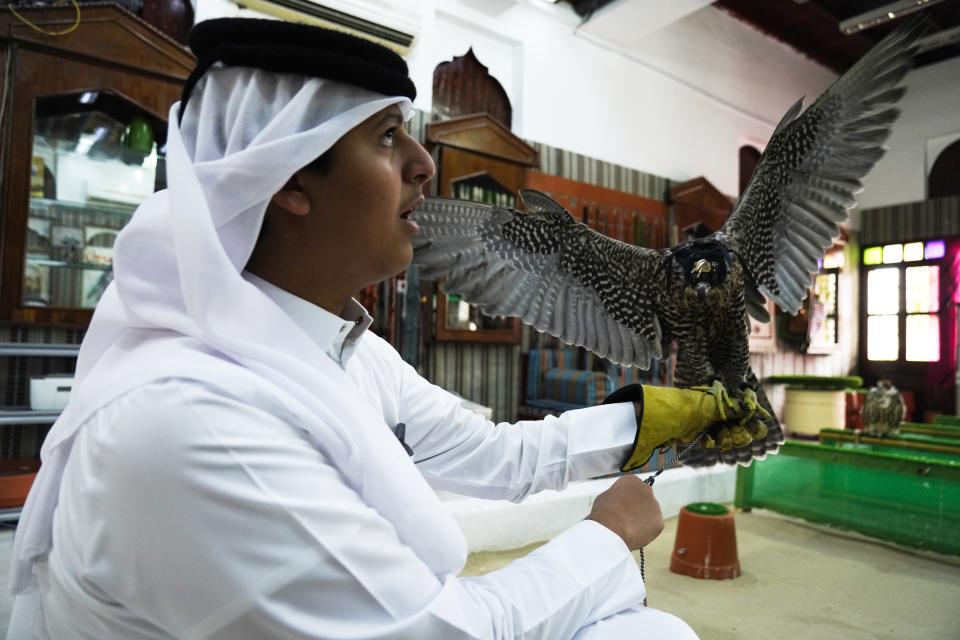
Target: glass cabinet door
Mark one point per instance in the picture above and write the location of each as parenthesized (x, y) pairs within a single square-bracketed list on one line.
[(458, 320), (96, 157)]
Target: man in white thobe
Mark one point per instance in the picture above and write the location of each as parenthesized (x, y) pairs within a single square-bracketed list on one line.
[(229, 465)]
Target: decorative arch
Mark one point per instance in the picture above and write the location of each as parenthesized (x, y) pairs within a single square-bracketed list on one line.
[(749, 158), (944, 177), (463, 86)]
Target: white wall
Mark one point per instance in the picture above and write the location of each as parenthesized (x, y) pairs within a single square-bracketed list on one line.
[(677, 102), (681, 114), (209, 9), (678, 117), (930, 118)]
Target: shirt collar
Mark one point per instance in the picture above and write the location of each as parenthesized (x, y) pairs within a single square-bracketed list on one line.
[(324, 328)]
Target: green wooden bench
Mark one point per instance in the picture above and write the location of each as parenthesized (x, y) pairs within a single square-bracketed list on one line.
[(907, 497)]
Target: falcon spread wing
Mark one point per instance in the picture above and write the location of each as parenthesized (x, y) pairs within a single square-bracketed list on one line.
[(565, 279), (805, 182), (555, 273)]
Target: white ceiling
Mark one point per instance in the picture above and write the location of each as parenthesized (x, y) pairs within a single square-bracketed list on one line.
[(628, 21), (710, 51)]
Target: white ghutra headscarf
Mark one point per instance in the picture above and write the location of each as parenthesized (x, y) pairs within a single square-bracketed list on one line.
[(179, 307)]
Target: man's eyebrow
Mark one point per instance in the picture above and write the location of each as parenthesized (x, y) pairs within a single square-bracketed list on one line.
[(393, 117)]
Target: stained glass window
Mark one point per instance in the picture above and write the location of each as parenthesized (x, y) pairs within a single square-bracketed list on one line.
[(824, 304), (923, 337), (823, 316), (833, 259), (826, 289), (903, 321), (935, 249), (883, 291), (883, 337), (913, 252), (923, 289)]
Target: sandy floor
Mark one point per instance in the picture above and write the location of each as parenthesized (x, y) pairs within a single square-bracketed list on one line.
[(800, 583)]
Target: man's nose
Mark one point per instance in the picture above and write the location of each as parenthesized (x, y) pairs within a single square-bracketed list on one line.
[(420, 167)]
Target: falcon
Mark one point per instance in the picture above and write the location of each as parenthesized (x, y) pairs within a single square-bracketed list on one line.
[(630, 304), (883, 410)]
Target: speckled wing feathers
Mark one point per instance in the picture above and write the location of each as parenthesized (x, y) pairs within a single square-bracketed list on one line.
[(807, 178), (555, 273)]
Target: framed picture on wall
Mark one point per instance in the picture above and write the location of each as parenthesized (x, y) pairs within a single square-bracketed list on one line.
[(94, 283), (98, 249), (763, 335), (36, 280), (38, 234), (66, 243)]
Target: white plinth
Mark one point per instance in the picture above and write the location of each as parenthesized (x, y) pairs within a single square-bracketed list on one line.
[(494, 525)]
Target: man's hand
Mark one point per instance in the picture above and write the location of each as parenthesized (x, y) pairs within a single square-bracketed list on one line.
[(630, 510)]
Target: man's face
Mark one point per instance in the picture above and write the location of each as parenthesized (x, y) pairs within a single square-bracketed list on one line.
[(360, 204)]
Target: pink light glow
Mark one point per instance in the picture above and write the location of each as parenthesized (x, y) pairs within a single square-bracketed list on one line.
[(954, 267)]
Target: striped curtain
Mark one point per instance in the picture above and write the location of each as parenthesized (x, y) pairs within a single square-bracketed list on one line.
[(927, 219), (567, 164)]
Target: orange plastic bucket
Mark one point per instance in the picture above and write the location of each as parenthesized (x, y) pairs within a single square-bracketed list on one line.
[(706, 543)]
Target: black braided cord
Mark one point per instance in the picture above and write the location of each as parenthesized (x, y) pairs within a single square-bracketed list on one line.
[(650, 481)]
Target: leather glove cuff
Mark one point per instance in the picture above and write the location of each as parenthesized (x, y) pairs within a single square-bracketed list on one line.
[(666, 415), (631, 393)]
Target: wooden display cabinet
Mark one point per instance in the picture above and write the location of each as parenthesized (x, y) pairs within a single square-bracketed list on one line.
[(699, 208), (477, 159), (82, 140)]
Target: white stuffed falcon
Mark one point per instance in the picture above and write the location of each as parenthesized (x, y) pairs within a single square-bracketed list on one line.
[(883, 410)]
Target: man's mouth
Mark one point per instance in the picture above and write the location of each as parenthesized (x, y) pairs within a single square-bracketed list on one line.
[(405, 214)]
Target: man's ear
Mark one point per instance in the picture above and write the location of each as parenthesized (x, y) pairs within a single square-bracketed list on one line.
[(292, 198)]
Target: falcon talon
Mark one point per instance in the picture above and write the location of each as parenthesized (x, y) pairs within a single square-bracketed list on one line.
[(724, 439), (740, 436), (757, 429)]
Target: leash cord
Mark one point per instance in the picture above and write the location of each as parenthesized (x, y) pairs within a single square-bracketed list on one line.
[(650, 482)]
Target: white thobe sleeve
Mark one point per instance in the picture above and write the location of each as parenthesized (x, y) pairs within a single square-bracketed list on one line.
[(458, 450), (223, 522)]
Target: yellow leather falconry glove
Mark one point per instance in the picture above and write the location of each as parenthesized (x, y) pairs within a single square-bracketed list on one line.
[(668, 414)]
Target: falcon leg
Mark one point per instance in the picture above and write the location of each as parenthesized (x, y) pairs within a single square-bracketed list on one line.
[(731, 358)]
